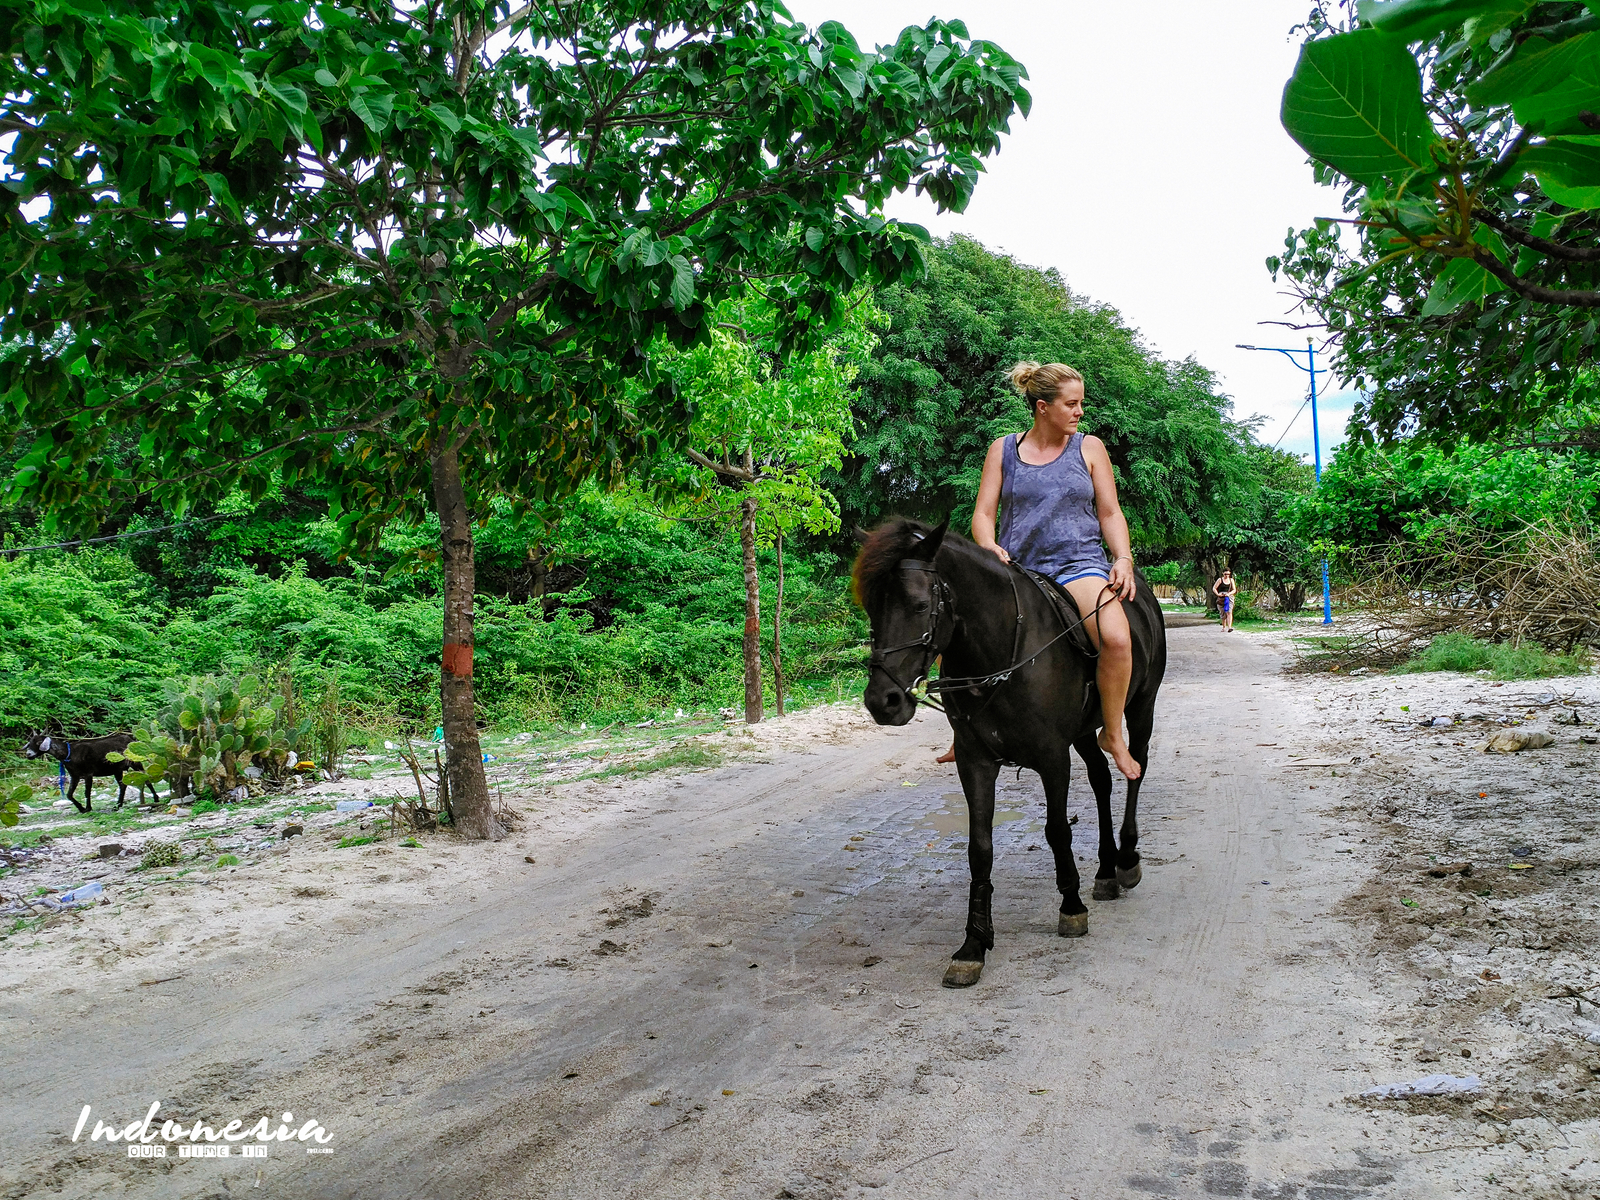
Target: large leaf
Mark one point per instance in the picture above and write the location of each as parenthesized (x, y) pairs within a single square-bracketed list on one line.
[(682, 282), (1414, 20), (1546, 83), (1354, 102), (1501, 15), (1568, 169), (1462, 282)]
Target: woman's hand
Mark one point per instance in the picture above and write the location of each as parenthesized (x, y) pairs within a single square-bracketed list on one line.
[(1122, 578), (1000, 553)]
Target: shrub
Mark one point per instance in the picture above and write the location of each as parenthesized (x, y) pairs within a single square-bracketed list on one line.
[(1458, 652), (1244, 608), (228, 860)]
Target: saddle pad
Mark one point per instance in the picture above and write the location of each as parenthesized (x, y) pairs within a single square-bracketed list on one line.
[(1067, 609)]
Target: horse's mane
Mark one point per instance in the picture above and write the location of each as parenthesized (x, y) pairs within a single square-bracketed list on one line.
[(895, 539)]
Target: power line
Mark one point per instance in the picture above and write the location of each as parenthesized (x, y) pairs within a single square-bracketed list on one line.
[(1297, 412), (112, 537)]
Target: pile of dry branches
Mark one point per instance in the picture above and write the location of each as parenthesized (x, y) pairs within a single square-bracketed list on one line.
[(1539, 584)]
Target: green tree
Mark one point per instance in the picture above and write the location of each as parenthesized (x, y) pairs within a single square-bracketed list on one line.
[(1372, 496), (1465, 138), (935, 395), (1256, 535), (416, 253), (764, 431)]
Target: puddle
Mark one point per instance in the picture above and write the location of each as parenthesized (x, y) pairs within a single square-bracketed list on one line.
[(952, 818)]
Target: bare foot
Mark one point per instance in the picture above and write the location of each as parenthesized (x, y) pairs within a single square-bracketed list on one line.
[(948, 756), (1118, 749)]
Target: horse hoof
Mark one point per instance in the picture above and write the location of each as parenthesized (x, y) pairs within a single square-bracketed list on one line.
[(1107, 889), (1130, 878), (1073, 924), (962, 973)]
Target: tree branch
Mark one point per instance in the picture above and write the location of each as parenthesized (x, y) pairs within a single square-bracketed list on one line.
[(1534, 291), (729, 473), (1543, 245)]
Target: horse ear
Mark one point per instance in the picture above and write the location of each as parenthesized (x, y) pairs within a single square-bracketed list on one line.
[(861, 535), (930, 545)]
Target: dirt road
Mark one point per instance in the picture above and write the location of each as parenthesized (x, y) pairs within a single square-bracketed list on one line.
[(729, 987)]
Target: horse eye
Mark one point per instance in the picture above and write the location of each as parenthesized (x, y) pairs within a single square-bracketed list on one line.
[(921, 606)]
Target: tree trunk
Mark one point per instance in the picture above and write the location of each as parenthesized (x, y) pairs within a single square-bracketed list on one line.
[(463, 763), (752, 613), (1209, 574), (777, 634)]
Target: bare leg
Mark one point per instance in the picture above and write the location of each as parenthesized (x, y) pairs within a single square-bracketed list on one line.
[(1109, 629)]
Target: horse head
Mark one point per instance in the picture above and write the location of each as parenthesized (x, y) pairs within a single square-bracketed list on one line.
[(911, 611)]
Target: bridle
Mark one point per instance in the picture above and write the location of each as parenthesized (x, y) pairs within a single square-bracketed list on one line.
[(943, 603)]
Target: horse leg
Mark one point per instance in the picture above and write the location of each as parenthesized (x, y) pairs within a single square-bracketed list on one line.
[(122, 791), (88, 793), (977, 780), (1074, 918), (1141, 721), (1094, 761)]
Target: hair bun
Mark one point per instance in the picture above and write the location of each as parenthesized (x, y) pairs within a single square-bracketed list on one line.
[(1022, 375)]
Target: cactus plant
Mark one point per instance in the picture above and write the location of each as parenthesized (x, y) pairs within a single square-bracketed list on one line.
[(160, 854), (209, 731)]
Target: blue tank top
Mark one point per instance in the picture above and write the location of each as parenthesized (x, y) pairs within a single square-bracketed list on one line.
[(1047, 520)]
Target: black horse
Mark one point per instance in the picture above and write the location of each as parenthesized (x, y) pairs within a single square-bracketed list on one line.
[(1018, 688)]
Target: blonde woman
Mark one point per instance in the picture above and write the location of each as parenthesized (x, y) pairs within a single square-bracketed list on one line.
[(1053, 490)]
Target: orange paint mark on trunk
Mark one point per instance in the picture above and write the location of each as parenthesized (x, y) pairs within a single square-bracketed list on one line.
[(458, 659)]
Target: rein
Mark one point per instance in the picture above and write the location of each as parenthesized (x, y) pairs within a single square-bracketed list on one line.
[(61, 775)]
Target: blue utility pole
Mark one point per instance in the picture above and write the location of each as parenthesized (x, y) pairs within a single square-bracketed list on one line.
[(1310, 368)]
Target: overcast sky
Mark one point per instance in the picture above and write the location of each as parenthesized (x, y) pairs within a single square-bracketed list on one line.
[(1152, 172)]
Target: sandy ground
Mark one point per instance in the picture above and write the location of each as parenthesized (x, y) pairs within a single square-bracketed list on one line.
[(725, 983)]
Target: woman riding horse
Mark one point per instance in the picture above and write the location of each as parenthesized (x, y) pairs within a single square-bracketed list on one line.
[(1059, 501)]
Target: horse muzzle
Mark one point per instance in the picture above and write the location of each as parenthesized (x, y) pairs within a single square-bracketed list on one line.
[(888, 703)]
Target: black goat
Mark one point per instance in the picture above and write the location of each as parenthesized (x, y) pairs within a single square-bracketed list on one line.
[(83, 759)]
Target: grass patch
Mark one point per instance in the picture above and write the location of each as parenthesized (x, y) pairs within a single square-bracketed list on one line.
[(686, 756), (347, 842), (1458, 652), (228, 860), (26, 924)]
